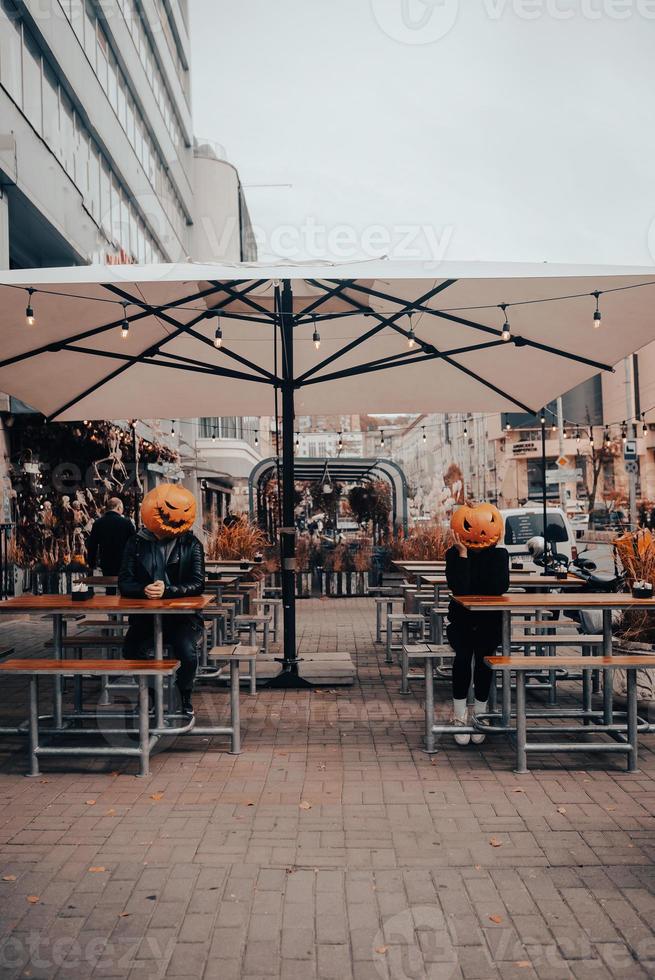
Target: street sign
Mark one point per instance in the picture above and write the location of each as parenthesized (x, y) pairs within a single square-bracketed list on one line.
[(562, 461), (630, 450), (632, 467), (563, 476)]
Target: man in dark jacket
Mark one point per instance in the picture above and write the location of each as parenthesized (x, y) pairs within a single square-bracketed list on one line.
[(109, 535), (170, 566)]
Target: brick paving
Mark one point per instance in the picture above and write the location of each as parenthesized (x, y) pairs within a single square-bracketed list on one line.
[(332, 847)]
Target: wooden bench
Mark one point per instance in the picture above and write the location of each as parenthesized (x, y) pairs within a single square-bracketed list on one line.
[(251, 624), (627, 744), (405, 621), (243, 655), (412, 652), (78, 641), (140, 669)]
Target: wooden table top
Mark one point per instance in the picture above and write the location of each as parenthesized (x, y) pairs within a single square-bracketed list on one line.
[(523, 579), (102, 603), (569, 660), (109, 580), (582, 600), (97, 668)]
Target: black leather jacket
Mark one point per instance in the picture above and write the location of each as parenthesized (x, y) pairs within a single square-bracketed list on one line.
[(185, 568)]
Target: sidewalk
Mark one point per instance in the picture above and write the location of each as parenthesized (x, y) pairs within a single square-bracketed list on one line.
[(332, 847)]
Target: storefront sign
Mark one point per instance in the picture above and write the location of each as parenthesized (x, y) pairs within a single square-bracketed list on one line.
[(525, 449)]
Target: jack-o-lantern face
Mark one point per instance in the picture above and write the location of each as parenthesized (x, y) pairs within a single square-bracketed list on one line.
[(477, 527), (168, 510)]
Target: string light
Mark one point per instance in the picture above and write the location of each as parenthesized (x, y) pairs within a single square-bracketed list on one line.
[(214, 434), (316, 337), (296, 441), (466, 430), (597, 316), (425, 438), (506, 333), (411, 336), (218, 334), (577, 435), (644, 427), (624, 432), (125, 325), (256, 437), (508, 426), (591, 439), (172, 428), (340, 443), (542, 419), (29, 310), (607, 437), (381, 438), (553, 427)]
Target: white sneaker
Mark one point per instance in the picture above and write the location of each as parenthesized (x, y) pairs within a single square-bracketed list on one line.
[(479, 708), (464, 738), (478, 738)]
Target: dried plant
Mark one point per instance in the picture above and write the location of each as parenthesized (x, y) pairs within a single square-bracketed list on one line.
[(240, 539), (636, 552), (363, 555), (425, 542), (303, 548)]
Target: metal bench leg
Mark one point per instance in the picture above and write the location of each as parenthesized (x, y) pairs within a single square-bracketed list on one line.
[(586, 686), (266, 635), (608, 694), (633, 736), (78, 699), (429, 707), (235, 713), (252, 674), (389, 657), (34, 725), (378, 622), (404, 670), (521, 725), (144, 728), (159, 681), (507, 676)]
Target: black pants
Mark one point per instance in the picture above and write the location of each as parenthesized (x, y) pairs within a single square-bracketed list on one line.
[(471, 646), (181, 634)]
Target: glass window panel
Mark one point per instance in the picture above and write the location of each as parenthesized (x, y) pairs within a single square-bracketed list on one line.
[(112, 82), (77, 18), (125, 225), (51, 109), (67, 133), (102, 54), (133, 234), (105, 198), (32, 102), (10, 56), (115, 212), (94, 182), (130, 120), (122, 101), (90, 33), (82, 160)]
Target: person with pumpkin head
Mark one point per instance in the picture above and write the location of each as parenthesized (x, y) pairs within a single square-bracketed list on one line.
[(164, 559), (475, 565)]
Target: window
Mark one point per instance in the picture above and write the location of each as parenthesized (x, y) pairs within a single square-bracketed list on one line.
[(122, 104), (90, 43), (112, 82), (32, 101), (94, 182), (10, 54), (67, 134), (105, 198), (103, 53), (51, 109)]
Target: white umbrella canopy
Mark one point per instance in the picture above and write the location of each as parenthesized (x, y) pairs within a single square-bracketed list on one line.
[(73, 362)]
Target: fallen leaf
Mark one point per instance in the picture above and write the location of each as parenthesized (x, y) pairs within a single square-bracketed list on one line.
[(110, 813), (478, 867), (496, 918), (97, 869), (561, 809), (90, 802), (523, 963), (381, 949), (495, 842), (32, 899), (305, 805), (9, 877), (156, 796), (151, 898), (518, 790), (250, 804), (123, 915)]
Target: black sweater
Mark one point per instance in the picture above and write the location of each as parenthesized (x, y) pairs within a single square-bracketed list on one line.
[(483, 572)]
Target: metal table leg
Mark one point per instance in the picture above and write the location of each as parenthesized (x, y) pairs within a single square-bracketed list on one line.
[(633, 737), (521, 723), (404, 668), (586, 686), (144, 728), (507, 674), (235, 712), (159, 681), (57, 621), (378, 622), (34, 724), (607, 675)]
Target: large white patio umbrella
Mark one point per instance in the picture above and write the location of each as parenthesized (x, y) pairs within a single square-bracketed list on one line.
[(208, 340)]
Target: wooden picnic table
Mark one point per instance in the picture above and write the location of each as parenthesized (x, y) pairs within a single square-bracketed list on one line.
[(508, 604), (58, 605)]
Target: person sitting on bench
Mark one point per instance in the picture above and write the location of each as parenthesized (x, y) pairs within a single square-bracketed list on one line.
[(474, 566), (166, 560)]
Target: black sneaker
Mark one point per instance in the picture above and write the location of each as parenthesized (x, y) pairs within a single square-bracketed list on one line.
[(187, 706)]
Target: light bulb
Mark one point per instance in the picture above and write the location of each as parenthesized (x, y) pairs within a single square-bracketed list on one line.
[(597, 316), (218, 336), (29, 312), (125, 329), (316, 337)]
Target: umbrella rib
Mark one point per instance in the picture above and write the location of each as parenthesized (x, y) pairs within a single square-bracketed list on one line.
[(380, 365), (235, 294), (186, 363), (188, 328), (487, 384), (384, 322), (320, 300)]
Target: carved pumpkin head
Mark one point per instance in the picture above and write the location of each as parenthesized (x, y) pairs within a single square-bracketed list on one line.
[(168, 510), (479, 526)]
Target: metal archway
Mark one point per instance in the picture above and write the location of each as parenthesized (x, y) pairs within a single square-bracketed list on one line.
[(348, 469)]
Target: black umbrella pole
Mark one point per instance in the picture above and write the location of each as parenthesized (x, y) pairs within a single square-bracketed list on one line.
[(544, 499)]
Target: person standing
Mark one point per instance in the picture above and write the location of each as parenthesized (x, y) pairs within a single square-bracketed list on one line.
[(474, 566), (109, 535)]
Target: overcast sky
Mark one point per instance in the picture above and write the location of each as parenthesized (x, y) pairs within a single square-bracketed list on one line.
[(484, 129)]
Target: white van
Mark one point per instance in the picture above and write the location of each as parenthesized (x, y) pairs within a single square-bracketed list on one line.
[(523, 523)]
